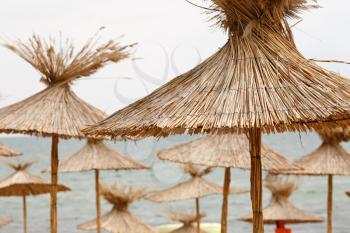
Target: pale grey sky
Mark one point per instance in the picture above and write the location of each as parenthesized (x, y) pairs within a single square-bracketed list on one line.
[(166, 30)]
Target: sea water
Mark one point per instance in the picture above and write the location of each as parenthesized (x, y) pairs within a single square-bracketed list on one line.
[(78, 206)]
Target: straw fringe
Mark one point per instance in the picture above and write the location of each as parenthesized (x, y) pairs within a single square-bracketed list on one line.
[(335, 135), (237, 16), (119, 219), (121, 196), (280, 209), (194, 171), (60, 63)]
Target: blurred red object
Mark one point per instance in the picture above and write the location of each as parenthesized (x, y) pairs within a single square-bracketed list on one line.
[(281, 228)]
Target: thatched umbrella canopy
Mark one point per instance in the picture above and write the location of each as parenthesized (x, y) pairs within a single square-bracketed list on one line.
[(329, 159), (226, 151), (257, 82), (280, 209), (187, 221), (4, 222), (96, 156), (348, 193), (194, 188), (56, 111), (8, 152), (22, 183), (119, 219)]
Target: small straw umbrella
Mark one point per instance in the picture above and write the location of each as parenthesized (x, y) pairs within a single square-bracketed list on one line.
[(96, 156), (21, 183), (329, 159), (56, 111), (225, 151), (347, 193), (187, 221), (257, 82), (119, 219), (194, 188), (4, 222), (8, 152), (280, 210)]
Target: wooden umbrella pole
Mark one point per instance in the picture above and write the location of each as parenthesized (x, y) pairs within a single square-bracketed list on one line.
[(198, 219), (224, 212), (25, 226), (256, 179), (98, 205), (330, 205), (54, 180)]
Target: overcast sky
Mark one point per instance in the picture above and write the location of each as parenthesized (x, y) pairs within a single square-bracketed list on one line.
[(172, 36)]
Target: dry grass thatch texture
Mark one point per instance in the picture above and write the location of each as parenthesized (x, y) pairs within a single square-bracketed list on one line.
[(119, 219), (330, 158), (22, 183), (335, 135), (59, 62), (121, 196), (8, 152), (96, 155), (118, 222), (280, 209), (257, 82), (242, 17), (184, 218), (260, 81), (225, 151), (195, 171), (56, 109), (187, 220)]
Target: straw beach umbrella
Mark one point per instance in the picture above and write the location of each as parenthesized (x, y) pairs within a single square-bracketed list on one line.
[(348, 193), (257, 82), (56, 111), (119, 219), (194, 188), (8, 152), (96, 156), (280, 210), (225, 151), (187, 221), (4, 222), (329, 159), (21, 183)]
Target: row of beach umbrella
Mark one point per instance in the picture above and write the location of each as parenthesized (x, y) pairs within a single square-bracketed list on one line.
[(258, 82), (7, 152), (96, 155)]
